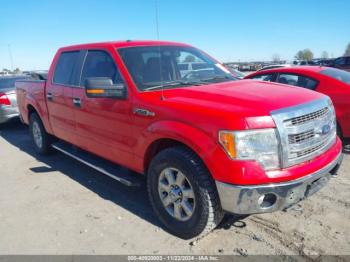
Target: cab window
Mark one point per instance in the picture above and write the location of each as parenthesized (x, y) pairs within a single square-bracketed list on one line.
[(99, 63), (263, 77), (297, 80), (65, 73)]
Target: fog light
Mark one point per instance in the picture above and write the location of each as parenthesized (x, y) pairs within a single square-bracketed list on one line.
[(267, 200)]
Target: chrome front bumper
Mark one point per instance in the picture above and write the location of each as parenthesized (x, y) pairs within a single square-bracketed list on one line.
[(273, 197)]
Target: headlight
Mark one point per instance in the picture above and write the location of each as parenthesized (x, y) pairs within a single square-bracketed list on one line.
[(260, 145)]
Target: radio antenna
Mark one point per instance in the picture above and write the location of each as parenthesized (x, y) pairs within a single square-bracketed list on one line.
[(157, 22), (159, 50)]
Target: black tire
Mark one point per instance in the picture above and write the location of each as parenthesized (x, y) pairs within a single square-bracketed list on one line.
[(207, 213), (44, 147)]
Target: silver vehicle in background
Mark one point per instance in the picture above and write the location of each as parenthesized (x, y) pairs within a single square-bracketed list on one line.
[(8, 101)]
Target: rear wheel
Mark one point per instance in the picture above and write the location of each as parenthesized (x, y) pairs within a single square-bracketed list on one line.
[(183, 193), (41, 139)]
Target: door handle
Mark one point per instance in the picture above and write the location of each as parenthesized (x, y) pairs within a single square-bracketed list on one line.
[(77, 102), (49, 96)]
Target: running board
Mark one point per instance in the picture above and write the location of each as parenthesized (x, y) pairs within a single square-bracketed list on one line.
[(122, 175)]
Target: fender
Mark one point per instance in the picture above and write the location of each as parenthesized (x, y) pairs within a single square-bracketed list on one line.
[(203, 144)]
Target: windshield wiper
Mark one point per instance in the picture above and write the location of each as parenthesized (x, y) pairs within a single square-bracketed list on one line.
[(171, 84)]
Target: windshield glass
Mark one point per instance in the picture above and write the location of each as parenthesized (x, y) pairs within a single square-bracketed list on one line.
[(340, 75), (153, 67), (9, 82)]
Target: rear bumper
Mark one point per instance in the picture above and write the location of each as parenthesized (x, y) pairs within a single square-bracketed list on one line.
[(272, 197)]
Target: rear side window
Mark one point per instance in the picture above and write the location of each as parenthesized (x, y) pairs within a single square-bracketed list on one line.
[(337, 74), (297, 80), (99, 63), (64, 71), (264, 77)]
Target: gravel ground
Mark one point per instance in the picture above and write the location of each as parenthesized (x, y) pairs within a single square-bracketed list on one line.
[(54, 205)]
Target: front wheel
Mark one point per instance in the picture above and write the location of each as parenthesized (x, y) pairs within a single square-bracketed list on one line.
[(41, 139), (183, 193)]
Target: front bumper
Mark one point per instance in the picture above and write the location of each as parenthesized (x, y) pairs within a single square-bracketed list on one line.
[(271, 197)]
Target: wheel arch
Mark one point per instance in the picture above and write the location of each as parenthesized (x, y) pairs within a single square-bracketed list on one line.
[(33, 109), (170, 134), (157, 146)]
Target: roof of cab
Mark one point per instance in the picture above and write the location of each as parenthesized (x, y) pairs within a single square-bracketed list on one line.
[(120, 44)]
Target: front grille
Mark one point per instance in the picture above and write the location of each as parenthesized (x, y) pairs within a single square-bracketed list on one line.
[(306, 131), (310, 150), (308, 117), (293, 139)]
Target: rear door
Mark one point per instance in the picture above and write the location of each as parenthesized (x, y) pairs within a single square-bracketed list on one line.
[(103, 125), (59, 95)]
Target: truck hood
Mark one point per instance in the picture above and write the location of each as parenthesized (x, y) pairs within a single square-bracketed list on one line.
[(245, 97)]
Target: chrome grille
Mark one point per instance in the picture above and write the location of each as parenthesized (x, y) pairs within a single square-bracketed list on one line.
[(310, 150), (305, 131), (308, 117), (301, 137)]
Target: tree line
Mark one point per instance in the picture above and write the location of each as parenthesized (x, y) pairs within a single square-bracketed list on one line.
[(307, 54)]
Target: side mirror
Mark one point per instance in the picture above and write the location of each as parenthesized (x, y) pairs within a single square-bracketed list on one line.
[(103, 87)]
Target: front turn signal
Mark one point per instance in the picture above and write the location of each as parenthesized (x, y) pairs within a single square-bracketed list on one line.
[(227, 140)]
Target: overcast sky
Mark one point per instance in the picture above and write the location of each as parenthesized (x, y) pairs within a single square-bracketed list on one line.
[(227, 29)]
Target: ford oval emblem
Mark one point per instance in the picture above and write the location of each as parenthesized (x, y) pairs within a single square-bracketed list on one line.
[(325, 129)]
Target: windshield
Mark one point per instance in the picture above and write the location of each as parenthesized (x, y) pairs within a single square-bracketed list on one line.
[(9, 82), (153, 67), (340, 75)]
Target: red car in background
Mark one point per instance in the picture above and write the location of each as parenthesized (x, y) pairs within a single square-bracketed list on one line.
[(332, 82)]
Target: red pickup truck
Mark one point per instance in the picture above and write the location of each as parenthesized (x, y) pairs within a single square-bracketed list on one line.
[(207, 144)]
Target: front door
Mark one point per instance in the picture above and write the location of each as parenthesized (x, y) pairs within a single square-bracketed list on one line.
[(103, 125)]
